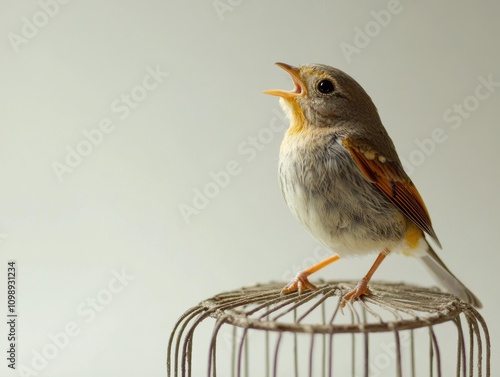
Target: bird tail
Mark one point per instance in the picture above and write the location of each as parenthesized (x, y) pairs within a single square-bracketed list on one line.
[(450, 281)]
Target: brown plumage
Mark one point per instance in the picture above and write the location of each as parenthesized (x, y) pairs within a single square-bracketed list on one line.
[(342, 178)]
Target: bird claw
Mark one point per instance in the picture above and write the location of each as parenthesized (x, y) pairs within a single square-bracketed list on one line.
[(299, 283), (359, 290)]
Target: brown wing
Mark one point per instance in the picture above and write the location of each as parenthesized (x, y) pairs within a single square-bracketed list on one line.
[(390, 178)]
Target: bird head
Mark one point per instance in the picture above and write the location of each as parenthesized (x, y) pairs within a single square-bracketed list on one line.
[(324, 96)]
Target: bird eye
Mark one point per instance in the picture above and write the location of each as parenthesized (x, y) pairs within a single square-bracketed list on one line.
[(325, 86)]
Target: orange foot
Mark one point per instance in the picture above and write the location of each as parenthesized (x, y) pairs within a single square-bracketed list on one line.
[(300, 283), (360, 289)]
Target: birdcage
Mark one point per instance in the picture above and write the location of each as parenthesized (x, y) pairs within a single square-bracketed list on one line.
[(398, 330)]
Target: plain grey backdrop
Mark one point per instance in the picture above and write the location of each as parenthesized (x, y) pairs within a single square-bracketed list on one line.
[(138, 158)]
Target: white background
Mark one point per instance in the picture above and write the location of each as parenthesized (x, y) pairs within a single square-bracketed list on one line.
[(118, 209)]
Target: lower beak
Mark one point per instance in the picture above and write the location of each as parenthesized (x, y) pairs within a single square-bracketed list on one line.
[(299, 87)]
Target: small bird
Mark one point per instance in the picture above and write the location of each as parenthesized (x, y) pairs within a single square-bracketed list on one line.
[(342, 179)]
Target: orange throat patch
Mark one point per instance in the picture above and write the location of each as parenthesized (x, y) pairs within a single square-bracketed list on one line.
[(293, 112)]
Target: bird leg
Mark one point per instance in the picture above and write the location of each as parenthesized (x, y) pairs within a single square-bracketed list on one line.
[(362, 287), (301, 283)]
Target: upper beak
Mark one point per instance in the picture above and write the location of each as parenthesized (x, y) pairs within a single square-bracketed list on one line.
[(299, 86)]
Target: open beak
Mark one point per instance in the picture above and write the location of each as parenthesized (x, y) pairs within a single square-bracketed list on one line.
[(299, 87)]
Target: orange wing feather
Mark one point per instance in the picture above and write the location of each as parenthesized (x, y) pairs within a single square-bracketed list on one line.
[(390, 178)]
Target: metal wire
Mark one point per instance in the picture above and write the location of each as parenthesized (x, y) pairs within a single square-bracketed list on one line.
[(398, 329)]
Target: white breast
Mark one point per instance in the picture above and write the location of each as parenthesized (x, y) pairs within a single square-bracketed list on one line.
[(333, 201)]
